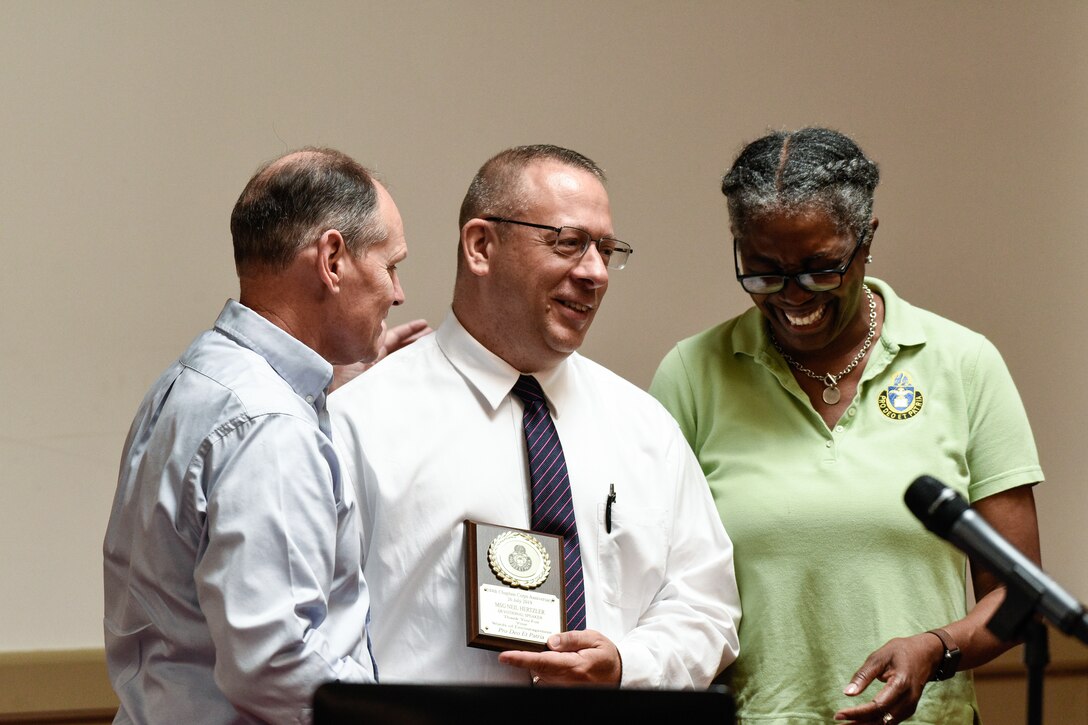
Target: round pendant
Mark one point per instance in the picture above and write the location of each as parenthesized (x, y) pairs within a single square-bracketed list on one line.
[(831, 395)]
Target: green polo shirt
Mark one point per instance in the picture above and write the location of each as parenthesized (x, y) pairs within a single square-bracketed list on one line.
[(829, 561)]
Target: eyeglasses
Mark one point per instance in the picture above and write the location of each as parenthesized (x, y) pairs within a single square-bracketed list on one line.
[(574, 242), (822, 280)]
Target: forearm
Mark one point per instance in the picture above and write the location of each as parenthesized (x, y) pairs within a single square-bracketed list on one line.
[(685, 654), (1012, 514), (280, 688), (978, 645)]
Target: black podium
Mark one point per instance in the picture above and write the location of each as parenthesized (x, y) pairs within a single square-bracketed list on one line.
[(339, 703)]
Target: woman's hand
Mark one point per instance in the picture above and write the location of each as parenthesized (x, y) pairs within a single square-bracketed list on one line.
[(905, 664)]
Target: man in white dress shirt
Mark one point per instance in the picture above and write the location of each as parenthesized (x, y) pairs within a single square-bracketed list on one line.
[(232, 561), (443, 440)]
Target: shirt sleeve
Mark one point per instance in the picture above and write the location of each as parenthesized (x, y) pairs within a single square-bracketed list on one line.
[(268, 572), (672, 388), (688, 633), (1001, 451)]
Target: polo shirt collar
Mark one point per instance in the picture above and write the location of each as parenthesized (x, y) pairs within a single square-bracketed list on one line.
[(901, 326), (302, 368), (493, 377)]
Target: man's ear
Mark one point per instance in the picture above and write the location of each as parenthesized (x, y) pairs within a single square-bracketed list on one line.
[(478, 241), (332, 253)]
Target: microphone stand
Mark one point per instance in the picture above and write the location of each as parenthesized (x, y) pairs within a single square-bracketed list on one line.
[(1036, 658), (1013, 621)]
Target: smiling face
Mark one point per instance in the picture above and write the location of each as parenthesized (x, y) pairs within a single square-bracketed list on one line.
[(542, 303), (807, 323)]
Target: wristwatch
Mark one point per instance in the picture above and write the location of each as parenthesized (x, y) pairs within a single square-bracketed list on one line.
[(950, 661)]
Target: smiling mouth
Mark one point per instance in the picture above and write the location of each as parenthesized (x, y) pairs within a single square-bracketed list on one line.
[(575, 306), (805, 320)]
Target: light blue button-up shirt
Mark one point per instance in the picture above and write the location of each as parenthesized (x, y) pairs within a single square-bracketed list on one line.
[(233, 581)]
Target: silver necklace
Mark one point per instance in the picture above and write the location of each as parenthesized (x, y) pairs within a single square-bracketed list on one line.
[(831, 394)]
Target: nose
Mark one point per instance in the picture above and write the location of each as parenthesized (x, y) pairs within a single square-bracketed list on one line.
[(592, 268), (398, 291), (794, 293)]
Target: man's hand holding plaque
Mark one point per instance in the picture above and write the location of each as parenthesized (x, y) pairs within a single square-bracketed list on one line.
[(515, 597), (579, 657)]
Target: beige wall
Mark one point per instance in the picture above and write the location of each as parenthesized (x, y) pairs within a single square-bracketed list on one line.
[(129, 129)]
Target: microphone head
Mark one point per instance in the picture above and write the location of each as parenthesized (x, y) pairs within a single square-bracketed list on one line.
[(934, 504)]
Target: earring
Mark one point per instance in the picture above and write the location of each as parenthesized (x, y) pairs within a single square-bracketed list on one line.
[(869, 259)]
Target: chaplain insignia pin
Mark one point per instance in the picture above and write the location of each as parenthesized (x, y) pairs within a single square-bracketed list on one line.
[(900, 400)]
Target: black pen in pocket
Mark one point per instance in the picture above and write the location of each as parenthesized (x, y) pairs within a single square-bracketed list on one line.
[(608, 508)]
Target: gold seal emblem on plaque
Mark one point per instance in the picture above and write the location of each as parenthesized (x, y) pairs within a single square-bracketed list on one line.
[(518, 559)]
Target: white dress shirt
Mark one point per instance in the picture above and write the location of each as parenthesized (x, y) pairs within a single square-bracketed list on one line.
[(444, 443), (232, 561)]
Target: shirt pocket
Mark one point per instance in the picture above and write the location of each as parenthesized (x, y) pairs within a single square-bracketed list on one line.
[(631, 558)]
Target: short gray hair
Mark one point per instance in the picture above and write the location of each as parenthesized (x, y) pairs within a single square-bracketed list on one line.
[(790, 172), (498, 188), (291, 201)]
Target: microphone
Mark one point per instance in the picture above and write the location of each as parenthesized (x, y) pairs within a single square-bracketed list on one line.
[(946, 513)]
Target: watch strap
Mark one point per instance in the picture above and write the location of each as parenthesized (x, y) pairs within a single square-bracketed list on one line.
[(950, 660)]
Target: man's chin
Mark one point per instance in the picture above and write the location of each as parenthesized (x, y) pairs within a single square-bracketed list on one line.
[(567, 342), (370, 354)]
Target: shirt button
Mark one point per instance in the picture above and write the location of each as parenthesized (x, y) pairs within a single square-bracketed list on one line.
[(852, 412), (310, 399), (839, 429), (828, 444)]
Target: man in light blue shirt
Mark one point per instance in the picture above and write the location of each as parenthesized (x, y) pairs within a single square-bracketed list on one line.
[(233, 582)]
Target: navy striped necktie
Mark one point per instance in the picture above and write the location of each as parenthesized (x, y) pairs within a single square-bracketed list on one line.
[(553, 508)]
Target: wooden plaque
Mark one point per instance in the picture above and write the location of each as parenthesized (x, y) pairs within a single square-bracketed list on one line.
[(514, 592)]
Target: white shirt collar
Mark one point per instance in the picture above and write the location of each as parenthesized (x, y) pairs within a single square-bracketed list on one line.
[(492, 376)]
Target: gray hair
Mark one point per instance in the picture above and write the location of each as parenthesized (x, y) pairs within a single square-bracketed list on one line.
[(791, 172), (498, 188), (291, 201)]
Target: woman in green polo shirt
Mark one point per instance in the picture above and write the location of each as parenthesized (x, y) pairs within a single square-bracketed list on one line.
[(810, 414)]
